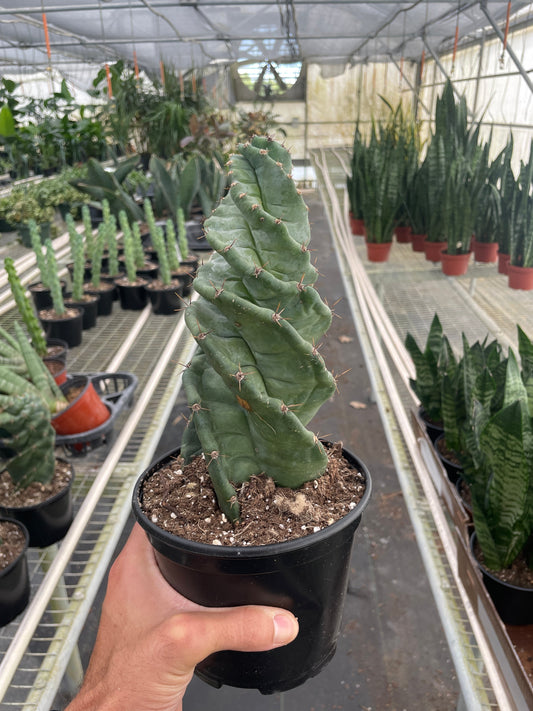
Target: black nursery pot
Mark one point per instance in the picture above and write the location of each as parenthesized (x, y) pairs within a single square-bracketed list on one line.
[(14, 583), (48, 521), (452, 469), (90, 310), (166, 301), (132, 297), (307, 576), (66, 329), (513, 604), (42, 296), (433, 430)]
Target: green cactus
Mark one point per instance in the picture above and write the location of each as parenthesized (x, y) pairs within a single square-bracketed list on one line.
[(10, 354), (138, 245), (25, 308), (129, 248), (78, 257), (27, 437), (96, 262), (182, 235), (149, 216), (257, 378), (53, 279), (158, 240), (112, 248), (88, 232), (172, 253)]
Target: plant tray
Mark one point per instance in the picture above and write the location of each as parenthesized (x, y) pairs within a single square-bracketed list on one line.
[(116, 391)]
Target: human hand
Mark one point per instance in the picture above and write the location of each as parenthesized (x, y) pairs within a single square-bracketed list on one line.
[(150, 637)]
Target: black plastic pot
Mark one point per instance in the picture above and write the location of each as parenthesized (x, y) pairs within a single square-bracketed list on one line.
[(196, 237), (105, 302), (14, 582), (48, 521), (149, 271), (25, 236), (96, 215), (90, 309), (60, 349), (67, 329), (167, 300), (453, 470), (42, 296), (433, 429), (186, 279), (308, 576), (109, 279), (132, 297), (513, 604)]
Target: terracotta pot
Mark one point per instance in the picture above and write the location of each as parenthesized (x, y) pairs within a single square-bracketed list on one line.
[(433, 250), (357, 226), (503, 263), (417, 242), (486, 252), (378, 252), (454, 264), (57, 368), (403, 234), (84, 413), (520, 277)]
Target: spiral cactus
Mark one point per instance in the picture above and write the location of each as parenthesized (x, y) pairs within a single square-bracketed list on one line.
[(257, 379)]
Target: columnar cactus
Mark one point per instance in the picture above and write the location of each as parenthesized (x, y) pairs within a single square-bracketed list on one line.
[(27, 437), (138, 245), (129, 248), (53, 279), (112, 248), (172, 253), (37, 247), (158, 240), (96, 263), (78, 257), (25, 308), (182, 235), (257, 378), (87, 231)]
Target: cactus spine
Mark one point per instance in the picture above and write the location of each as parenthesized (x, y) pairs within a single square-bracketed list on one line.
[(257, 378), (25, 308), (78, 257)]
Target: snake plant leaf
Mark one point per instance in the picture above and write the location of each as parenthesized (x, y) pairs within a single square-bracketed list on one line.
[(525, 349), (257, 378), (503, 510)]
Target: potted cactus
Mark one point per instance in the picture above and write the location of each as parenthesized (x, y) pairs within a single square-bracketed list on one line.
[(105, 290), (166, 291), (131, 287), (78, 298), (59, 321), (253, 386)]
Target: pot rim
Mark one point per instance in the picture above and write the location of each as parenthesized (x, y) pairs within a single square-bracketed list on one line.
[(246, 552), (490, 574), (24, 530), (50, 500)]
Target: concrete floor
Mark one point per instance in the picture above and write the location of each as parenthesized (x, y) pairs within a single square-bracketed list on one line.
[(392, 653)]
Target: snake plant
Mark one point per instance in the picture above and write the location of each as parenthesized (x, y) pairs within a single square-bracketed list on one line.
[(257, 378)]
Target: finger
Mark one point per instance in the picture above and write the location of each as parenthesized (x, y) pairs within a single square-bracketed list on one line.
[(249, 628)]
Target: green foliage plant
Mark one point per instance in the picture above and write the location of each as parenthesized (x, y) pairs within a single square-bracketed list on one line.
[(355, 181), (176, 184), (430, 365), (25, 308), (257, 378), (521, 241)]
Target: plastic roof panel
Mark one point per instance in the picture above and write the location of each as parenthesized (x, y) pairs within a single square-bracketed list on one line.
[(215, 32)]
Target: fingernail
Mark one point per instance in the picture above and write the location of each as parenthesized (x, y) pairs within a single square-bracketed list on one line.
[(284, 629)]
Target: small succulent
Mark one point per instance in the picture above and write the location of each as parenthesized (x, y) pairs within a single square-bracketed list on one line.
[(257, 378)]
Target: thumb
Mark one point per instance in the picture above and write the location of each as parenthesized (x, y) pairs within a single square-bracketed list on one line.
[(250, 628)]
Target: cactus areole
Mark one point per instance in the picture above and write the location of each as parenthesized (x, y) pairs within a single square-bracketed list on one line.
[(257, 378)]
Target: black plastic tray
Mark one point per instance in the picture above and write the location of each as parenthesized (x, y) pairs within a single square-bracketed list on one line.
[(117, 391)]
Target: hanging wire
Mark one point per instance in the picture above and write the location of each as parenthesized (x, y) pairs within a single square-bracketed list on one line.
[(505, 35), (456, 39), (48, 50)]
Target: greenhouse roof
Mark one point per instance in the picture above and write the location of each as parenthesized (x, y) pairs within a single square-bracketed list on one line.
[(75, 36)]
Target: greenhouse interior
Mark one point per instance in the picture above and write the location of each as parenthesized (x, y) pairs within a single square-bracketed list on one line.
[(185, 187)]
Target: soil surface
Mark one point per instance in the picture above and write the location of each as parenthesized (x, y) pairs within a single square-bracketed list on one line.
[(181, 500), (35, 493), (12, 542), (518, 573)]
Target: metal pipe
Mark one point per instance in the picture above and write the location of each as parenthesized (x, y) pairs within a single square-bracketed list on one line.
[(509, 49)]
